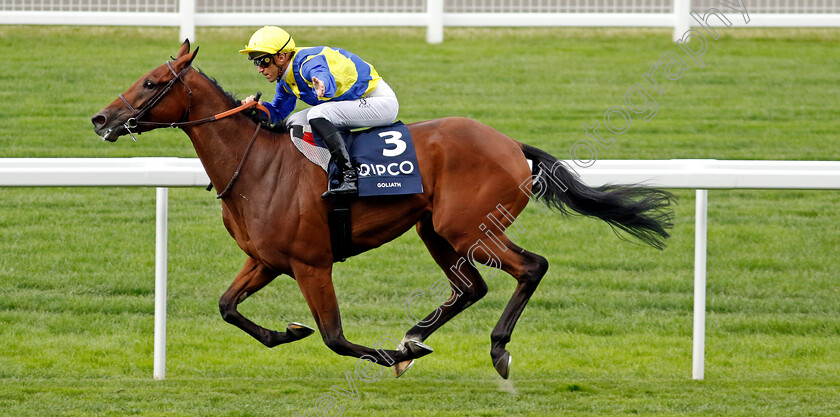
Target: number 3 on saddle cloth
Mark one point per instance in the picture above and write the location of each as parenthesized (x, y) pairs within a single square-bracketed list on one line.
[(384, 158)]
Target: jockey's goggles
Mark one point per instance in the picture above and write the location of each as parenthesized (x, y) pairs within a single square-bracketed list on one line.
[(264, 61)]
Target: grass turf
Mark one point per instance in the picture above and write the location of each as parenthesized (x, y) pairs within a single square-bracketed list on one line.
[(608, 331)]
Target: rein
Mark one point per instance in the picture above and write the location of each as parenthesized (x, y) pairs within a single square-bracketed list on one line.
[(133, 123), (232, 181)]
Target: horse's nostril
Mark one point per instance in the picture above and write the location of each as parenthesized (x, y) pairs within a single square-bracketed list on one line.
[(99, 120)]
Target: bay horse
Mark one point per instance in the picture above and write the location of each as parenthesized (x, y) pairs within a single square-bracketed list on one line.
[(277, 217)]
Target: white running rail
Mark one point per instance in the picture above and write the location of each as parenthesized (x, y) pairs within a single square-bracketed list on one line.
[(700, 175)]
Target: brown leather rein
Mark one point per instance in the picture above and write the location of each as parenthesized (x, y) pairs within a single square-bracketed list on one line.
[(133, 122)]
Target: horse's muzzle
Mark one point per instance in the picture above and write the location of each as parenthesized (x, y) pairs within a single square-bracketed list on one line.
[(106, 128)]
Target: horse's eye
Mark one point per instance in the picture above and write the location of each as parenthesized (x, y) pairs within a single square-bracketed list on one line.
[(148, 84)]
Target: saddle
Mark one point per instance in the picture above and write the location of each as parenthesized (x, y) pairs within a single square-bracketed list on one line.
[(383, 156), (386, 163)]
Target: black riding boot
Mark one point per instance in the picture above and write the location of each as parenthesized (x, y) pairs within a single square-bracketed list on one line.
[(335, 143)]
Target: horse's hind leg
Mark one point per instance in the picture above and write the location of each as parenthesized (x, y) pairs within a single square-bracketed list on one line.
[(528, 269), (464, 279), (251, 279)]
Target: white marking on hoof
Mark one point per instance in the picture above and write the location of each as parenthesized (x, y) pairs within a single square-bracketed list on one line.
[(294, 323), (418, 348), (299, 330), (401, 346), (501, 368)]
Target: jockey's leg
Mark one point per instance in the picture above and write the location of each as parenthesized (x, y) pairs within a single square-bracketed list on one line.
[(335, 143), (299, 118), (379, 108)]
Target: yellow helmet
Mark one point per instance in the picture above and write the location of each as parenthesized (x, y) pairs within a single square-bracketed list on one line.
[(269, 40)]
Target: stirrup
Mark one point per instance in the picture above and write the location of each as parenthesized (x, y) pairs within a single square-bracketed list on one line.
[(347, 187), (342, 190)]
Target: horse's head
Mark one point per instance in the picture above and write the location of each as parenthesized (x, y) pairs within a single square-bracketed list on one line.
[(159, 98)]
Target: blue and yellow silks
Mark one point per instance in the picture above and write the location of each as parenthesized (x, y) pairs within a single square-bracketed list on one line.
[(345, 77)]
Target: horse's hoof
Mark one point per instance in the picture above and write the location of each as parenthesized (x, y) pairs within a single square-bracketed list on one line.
[(502, 364), (401, 367), (417, 348), (299, 331)]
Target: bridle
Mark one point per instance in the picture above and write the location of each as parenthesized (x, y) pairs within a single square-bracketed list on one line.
[(134, 122)]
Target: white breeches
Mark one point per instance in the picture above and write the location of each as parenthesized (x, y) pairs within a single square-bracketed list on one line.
[(378, 108)]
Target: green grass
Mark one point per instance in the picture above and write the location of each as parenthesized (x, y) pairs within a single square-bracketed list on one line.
[(607, 333)]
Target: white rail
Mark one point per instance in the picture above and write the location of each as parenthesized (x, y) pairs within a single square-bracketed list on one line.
[(700, 175), (118, 172), (704, 174), (432, 14)]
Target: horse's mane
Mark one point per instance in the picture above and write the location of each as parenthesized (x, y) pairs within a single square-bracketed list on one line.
[(253, 114), (232, 100)]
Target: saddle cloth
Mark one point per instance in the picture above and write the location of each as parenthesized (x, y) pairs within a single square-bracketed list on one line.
[(384, 158)]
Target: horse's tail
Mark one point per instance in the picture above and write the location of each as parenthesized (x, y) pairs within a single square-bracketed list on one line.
[(640, 211)]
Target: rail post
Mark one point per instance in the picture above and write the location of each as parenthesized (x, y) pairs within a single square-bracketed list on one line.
[(186, 14), (681, 11), (434, 24), (161, 226), (698, 354)]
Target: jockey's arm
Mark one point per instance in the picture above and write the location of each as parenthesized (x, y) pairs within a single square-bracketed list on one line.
[(317, 71), (318, 86), (279, 108), (282, 105)]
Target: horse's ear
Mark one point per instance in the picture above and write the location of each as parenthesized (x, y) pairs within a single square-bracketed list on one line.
[(184, 61), (185, 48), (192, 56)]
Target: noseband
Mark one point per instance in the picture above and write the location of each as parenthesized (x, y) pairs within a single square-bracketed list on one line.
[(133, 122)]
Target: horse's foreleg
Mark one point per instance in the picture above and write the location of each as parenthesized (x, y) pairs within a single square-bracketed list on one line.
[(464, 279), (316, 285), (251, 279)]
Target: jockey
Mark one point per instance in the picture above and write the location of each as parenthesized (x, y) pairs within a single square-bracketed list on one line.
[(344, 92)]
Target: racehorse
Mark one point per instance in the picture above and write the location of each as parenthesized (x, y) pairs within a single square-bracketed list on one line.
[(271, 206)]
